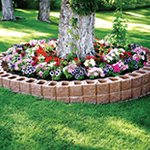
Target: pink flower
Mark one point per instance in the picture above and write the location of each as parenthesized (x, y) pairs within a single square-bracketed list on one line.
[(146, 49), (95, 74), (137, 59), (23, 67), (145, 64), (117, 45), (40, 73), (73, 66), (16, 68), (102, 74), (89, 74), (70, 70)]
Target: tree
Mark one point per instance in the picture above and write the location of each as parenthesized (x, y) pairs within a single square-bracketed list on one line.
[(44, 10), (82, 36), (7, 10)]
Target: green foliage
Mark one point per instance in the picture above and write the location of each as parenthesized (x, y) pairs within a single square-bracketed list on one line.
[(84, 7), (119, 29)]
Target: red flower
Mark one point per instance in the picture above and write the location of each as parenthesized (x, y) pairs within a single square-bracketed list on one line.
[(96, 38), (48, 59), (101, 58), (36, 60), (23, 54), (34, 63), (95, 44), (109, 50), (101, 45), (33, 57), (17, 50), (55, 58), (27, 44), (101, 53), (97, 48), (76, 59), (57, 63), (86, 67), (52, 45), (121, 56), (79, 63), (96, 58)]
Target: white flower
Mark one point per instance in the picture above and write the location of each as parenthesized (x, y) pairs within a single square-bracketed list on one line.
[(92, 62), (34, 48), (27, 50), (51, 64), (86, 63), (101, 42)]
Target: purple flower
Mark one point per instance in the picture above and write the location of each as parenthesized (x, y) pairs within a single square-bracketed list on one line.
[(73, 73), (136, 66), (129, 59), (126, 61), (76, 70), (52, 73), (12, 66), (57, 74), (19, 58), (133, 46), (136, 62), (81, 73), (77, 76), (107, 66)]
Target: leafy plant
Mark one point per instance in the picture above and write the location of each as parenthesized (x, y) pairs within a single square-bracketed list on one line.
[(119, 29)]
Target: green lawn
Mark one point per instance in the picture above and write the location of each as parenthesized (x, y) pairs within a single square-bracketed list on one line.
[(29, 123)]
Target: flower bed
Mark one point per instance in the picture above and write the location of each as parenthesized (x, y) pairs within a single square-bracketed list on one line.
[(38, 59)]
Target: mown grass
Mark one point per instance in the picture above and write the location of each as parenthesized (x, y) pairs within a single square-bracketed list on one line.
[(27, 122)]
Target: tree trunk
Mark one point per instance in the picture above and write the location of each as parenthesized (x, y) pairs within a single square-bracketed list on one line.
[(7, 10), (85, 31), (44, 11)]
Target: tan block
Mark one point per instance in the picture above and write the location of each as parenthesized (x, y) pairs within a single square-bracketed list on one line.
[(145, 89), (125, 95), (144, 76), (36, 88), (90, 99), (1, 73), (136, 92), (25, 86), (89, 87), (76, 88), (114, 84), (125, 83), (5, 80), (14, 85), (146, 69), (114, 97), (102, 86), (62, 89), (49, 90), (136, 80), (76, 99), (103, 98), (64, 99)]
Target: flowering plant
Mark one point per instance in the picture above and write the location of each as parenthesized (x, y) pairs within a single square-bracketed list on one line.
[(35, 59)]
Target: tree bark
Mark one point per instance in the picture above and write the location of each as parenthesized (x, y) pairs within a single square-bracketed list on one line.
[(85, 31), (7, 10), (44, 11)]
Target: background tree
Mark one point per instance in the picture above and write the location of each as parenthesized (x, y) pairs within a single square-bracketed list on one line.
[(76, 35), (7, 10), (44, 10)]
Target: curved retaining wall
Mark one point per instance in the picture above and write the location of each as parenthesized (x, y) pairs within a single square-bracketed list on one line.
[(112, 89)]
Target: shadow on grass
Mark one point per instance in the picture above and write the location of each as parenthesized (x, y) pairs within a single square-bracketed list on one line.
[(55, 125)]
